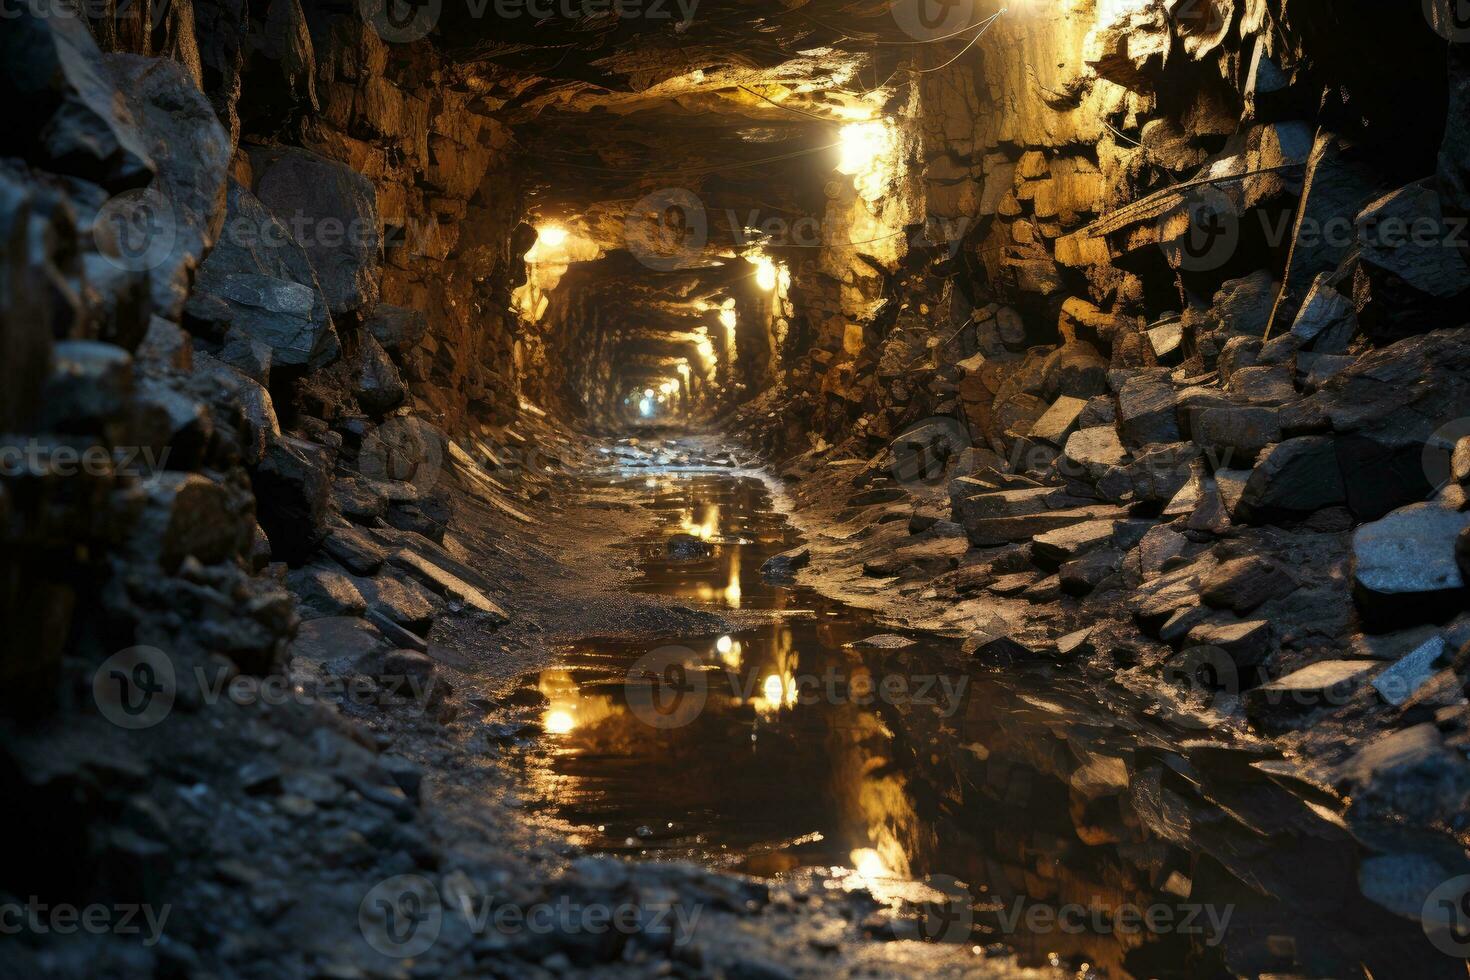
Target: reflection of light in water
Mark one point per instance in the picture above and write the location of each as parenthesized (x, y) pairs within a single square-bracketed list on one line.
[(729, 651), (868, 863), (709, 523), (723, 644), (773, 689), (559, 722)]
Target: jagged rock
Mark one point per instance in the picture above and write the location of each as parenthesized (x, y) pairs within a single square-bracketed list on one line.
[(1059, 421), (65, 112), (1382, 412), (1409, 279), (1166, 340), (1091, 452), (1156, 473), (990, 531), (403, 601), (1404, 567), (396, 328), (1242, 307), (1263, 384), (184, 515), (1051, 549), (254, 401), (355, 550), (258, 282), (1074, 369), (191, 152), (1083, 575), (447, 584), (1146, 411), (1242, 584), (1237, 434), (175, 429), (1410, 772), (1324, 684), (300, 187), (1244, 642), (377, 384), (247, 355), (1326, 321), (291, 489), (1397, 683), (359, 500), (1294, 477), (87, 387), (323, 592)]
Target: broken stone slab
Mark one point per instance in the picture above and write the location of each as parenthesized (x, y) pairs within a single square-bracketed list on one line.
[(1408, 280), (404, 601), (323, 592), (292, 485), (1082, 575), (1245, 642), (997, 648), (1146, 411), (1264, 384), (1242, 584), (1326, 321), (1051, 549), (882, 641), (1166, 339), (1009, 503), (376, 383), (1237, 434), (1398, 682), (1059, 421), (1160, 545), (1404, 567), (1293, 478), (447, 584), (191, 152), (987, 532), (356, 551), (1328, 683), (1076, 644), (1317, 369), (184, 515), (1090, 453)]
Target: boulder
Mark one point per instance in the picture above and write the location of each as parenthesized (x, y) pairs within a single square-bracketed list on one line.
[(187, 515), (292, 486), (1246, 643), (1089, 453), (1293, 478), (357, 552), (1242, 584), (1147, 411), (786, 563), (1074, 369), (376, 383), (191, 152), (1235, 435), (1411, 278), (1059, 421), (1325, 684), (338, 208), (259, 284), (1404, 567), (1398, 682), (65, 112), (395, 327), (323, 592), (1326, 321)]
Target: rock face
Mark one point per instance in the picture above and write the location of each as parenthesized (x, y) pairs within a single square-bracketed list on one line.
[(338, 208), (1404, 567)]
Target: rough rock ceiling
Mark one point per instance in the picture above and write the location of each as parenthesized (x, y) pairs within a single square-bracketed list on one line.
[(738, 107)]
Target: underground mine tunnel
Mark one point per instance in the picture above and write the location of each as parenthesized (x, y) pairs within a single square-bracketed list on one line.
[(735, 489)]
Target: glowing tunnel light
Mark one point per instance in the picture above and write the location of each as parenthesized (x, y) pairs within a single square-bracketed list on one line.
[(864, 144), (552, 236), (765, 272)]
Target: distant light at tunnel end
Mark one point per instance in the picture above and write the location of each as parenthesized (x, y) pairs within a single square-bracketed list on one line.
[(551, 235)]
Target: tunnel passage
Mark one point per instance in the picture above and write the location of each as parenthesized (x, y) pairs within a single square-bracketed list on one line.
[(1123, 336)]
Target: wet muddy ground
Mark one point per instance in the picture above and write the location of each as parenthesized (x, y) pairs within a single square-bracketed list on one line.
[(1066, 818)]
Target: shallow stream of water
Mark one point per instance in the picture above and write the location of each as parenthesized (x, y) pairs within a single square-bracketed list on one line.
[(1056, 815)]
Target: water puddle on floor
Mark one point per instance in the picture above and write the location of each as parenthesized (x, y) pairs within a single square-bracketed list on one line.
[(1052, 814)]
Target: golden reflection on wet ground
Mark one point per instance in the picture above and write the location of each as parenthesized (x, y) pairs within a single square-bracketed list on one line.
[(908, 773)]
